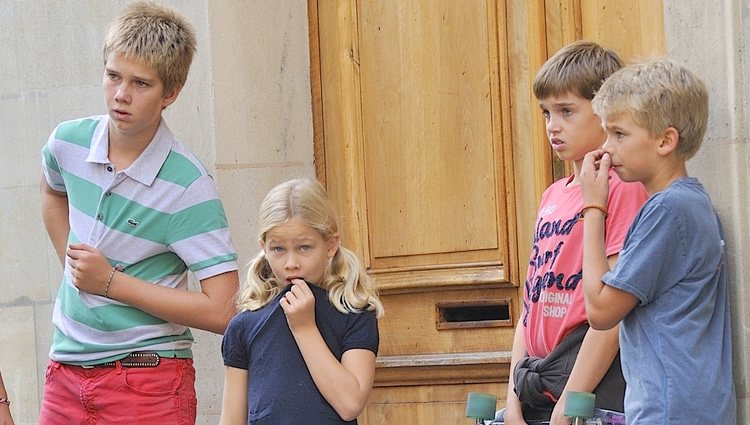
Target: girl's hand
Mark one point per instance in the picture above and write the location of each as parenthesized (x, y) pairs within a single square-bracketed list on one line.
[(299, 305), (595, 178), (89, 268)]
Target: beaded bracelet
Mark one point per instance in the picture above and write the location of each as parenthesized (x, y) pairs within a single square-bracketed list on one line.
[(590, 206), (5, 401)]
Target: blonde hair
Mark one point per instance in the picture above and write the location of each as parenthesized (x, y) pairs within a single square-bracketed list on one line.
[(580, 67), (350, 288), (658, 94), (157, 35)]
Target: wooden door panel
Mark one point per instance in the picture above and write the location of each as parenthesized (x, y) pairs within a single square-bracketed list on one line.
[(438, 404), (414, 325), (428, 133)]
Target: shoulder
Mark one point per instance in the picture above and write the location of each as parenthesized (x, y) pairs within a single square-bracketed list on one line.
[(246, 321), (683, 191), (79, 131), (182, 167), (557, 186)]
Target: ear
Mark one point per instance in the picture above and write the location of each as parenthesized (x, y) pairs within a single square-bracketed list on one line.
[(170, 97), (262, 245), (333, 244), (670, 139)]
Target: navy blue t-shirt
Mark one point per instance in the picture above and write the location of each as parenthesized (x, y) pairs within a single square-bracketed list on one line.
[(280, 387)]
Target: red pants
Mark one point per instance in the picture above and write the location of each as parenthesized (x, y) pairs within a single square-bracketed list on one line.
[(164, 394)]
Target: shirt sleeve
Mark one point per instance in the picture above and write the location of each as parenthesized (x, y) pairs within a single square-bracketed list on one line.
[(651, 254), (362, 332), (199, 231), (50, 166), (233, 349)]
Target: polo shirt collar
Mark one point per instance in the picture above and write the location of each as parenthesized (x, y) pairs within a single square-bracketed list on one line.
[(145, 168)]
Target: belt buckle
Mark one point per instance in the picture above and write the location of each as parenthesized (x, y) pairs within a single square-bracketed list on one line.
[(136, 359), (140, 359)]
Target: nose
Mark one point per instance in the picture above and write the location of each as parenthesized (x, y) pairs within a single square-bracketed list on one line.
[(291, 262), (552, 125), (121, 94)]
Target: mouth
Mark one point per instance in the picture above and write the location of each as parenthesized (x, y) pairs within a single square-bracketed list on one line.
[(119, 114), (556, 143)]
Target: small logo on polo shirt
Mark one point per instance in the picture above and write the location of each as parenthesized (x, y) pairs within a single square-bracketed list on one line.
[(132, 222)]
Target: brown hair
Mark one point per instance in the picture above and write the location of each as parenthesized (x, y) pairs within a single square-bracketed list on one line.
[(580, 67)]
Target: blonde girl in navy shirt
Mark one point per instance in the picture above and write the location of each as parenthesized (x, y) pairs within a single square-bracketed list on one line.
[(303, 346)]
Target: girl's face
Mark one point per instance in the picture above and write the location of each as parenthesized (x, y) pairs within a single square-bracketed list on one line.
[(297, 251)]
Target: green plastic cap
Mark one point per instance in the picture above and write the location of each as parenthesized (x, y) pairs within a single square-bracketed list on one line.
[(481, 405), (580, 404)]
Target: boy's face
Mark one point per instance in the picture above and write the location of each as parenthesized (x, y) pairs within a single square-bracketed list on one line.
[(633, 151), (134, 96), (572, 127)]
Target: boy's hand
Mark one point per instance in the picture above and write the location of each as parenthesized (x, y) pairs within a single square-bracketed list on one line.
[(558, 417), (90, 269), (299, 305), (595, 178)]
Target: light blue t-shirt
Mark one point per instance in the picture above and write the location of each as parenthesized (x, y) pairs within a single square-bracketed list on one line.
[(676, 344)]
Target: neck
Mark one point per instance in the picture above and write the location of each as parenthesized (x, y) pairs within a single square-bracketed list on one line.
[(665, 177), (125, 149), (577, 165)]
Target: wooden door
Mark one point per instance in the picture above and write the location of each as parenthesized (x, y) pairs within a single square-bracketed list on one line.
[(437, 178)]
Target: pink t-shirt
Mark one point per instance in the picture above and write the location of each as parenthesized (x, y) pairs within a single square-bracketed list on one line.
[(553, 292)]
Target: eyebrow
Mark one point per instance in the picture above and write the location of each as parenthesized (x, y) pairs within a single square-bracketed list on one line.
[(557, 104), (610, 127), (135, 77)]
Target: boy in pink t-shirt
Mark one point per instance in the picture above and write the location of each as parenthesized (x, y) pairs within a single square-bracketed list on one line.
[(554, 350)]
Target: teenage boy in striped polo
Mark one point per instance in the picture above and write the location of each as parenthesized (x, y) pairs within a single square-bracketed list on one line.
[(129, 211)]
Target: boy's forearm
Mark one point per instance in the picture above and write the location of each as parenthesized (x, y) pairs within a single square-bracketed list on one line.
[(210, 310), (594, 264), (512, 403), (598, 350)]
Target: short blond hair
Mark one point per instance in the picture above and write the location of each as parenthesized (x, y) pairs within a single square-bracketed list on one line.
[(157, 35), (658, 94), (579, 68), (350, 288)]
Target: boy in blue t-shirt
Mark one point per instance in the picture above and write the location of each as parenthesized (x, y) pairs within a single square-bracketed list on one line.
[(669, 289)]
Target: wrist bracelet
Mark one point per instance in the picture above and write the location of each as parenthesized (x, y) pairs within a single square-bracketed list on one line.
[(5, 401), (109, 281), (592, 206)]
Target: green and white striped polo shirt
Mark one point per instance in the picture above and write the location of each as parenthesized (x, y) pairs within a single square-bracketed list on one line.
[(158, 218)]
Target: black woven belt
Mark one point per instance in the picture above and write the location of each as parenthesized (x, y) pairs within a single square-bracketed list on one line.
[(137, 359)]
